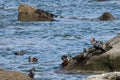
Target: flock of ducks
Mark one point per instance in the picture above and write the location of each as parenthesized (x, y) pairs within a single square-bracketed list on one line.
[(98, 45), (98, 48), (30, 59)]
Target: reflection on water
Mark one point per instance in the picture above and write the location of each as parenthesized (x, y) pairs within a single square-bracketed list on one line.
[(49, 40)]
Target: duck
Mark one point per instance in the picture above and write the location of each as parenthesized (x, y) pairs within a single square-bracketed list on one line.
[(19, 52), (31, 72), (97, 44), (63, 57), (65, 60), (85, 52), (32, 59)]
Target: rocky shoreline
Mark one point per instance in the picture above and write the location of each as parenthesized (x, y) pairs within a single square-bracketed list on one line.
[(105, 76), (13, 75), (108, 61)]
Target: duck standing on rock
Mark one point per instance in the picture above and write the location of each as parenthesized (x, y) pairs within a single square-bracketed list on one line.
[(82, 57), (85, 52), (19, 53), (31, 73), (97, 44), (100, 45), (44, 13), (65, 60), (32, 59)]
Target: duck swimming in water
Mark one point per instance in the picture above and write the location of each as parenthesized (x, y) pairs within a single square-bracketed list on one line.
[(32, 59), (31, 73), (19, 53)]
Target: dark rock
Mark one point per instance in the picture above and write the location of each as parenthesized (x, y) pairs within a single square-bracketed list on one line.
[(106, 16), (118, 77)]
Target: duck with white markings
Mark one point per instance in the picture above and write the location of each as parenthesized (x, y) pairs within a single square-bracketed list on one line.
[(32, 59)]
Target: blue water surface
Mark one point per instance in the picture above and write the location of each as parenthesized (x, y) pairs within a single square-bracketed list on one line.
[(48, 41)]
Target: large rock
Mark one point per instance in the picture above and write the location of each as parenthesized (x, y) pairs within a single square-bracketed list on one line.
[(28, 13), (105, 76), (106, 16), (13, 75), (105, 62)]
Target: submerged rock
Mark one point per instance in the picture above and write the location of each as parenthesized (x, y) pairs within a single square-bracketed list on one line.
[(29, 13), (106, 16)]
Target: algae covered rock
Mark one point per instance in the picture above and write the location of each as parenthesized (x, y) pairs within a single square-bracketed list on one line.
[(106, 16), (29, 13)]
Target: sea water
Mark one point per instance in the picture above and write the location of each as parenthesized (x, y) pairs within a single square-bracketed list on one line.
[(48, 41)]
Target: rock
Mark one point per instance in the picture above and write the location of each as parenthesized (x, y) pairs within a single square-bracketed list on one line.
[(106, 16), (105, 76), (28, 13), (106, 62), (115, 42), (12, 75), (113, 56)]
